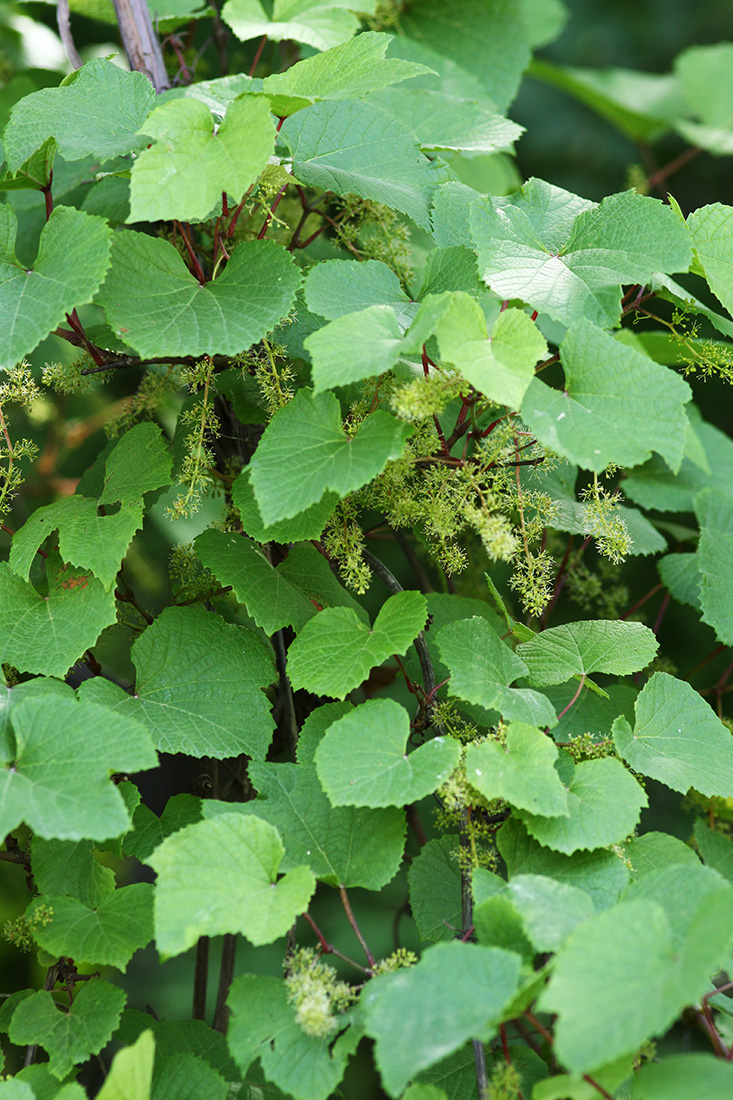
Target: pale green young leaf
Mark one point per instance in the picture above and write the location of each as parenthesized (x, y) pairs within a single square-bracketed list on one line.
[(584, 647), (682, 890), (567, 257), (314, 728), (355, 346), (319, 24), (219, 876), (434, 879), (617, 404), (550, 910), (604, 804), (96, 110), (451, 268), (108, 933), (715, 516), (59, 779), (131, 1073), (680, 1076), (677, 738), (239, 563), (354, 148), (68, 867), (522, 772), (338, 287), (306, 438), (482, 667), (183, 173), (69, 1037), (336, 650), (362, 759), (149, 830), (711, 230), (221, 710), (654, 851), (73, 258), (153, 301), (348, 71), (705, 73), (307, 524), (179, 1037), (344, 846), (422, 1014), (442, 121)]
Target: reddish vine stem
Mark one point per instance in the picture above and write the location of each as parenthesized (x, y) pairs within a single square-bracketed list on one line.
[(258, 55), (706, 660), (673, 166), (549, 1038), (328, 948), (273, 208), (439, 430), (660, 613), (197, 268), (640, 603), (355, 926), (48, 197)]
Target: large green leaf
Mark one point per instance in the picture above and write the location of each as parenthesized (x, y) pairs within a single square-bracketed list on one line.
[(550, 910), (355, 346), (220, 876), (482, 667), (711, 229), (97, 110), (362, 759), (306, 438), (569, 258), (89, 536), (336, 650), (617, 404), (604, 804), (522, 771), (338, 287), (131, 1073), (108, 933), (441, 121), (69, 1037), (199, 686), (183, 173), (582, 648), (156, 305), (344, 846), (307, 524), (69, 868), (317, 23), (435, 889), (185, 1077), (73, 257), (680, 1076), (422, 1014), (715, 516), (354, 148), (57, 776), (705, 73), (149, 830), (677, 738)]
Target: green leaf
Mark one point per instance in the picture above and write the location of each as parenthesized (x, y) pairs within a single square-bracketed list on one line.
[(58, 780), (69, 867), (108, 933), (617, 405), (183, 173), (683, 890), (569, 258), (482, 667), (69, 1037), (362, 759), (711, 230), (680, 1076), (550, 910), (220, 876), (522, 771), (149, 830), (591, 713), (715, 848), (434, 877), (306, 438), (339, 287), (680, 575), (96, 110), (356, 346), (307, 524), (604, 804), (715, 516), (89, 536), (677, 738), (222, 710), (343, 846), (452, 268), (335, 651), (348, 71), (34, 174), (131, 1073), (451, 213), (705, 75), (421, 1015), (654, 851), (307, 568), (582, 648), (441, 121), (159, 308), (318, 24), (179, 1037), (186, 1077), (73, 257), (655, 486), (314, 728), (353, 148)]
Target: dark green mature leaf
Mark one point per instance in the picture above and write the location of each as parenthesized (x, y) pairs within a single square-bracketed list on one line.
[(677, 738), (715, 848), (655, 851), (179, 1037), (318, 24), (307, 524), (522, 771), (35, 174), (186, 1077), (582, 648), (69, 868), (654, 485), (569, 258), (57, 778), (681, 1076), (482, 667), (157, 306), (680, 575), (183, 173), (221, 710), (97, 110), (89, 537), (306, 439), (355, 148), (617, 404), (715, 516), (69, 1037), (220, 876), (344, 846), (435, 889), (149, 830), (604, 804), (73, 258), (421, 1015), (362, 759), (108, 933), (336, 650)]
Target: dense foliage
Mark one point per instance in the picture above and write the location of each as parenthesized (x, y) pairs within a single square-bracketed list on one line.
[(365, 601)]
